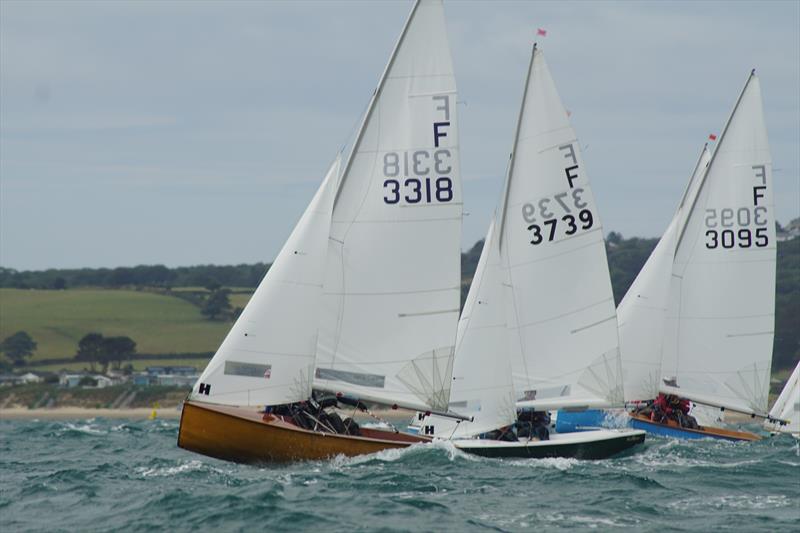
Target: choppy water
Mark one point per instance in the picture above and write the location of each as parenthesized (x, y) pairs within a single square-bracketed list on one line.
[(102, 474)]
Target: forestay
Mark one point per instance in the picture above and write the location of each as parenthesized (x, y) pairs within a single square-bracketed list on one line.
[(267, 358), (642, 311), (563, 325), (392, 285), (720, 320)]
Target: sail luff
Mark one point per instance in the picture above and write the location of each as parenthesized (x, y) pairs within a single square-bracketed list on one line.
[(697, 168), (375, 95), (504, 201), (714, 154)]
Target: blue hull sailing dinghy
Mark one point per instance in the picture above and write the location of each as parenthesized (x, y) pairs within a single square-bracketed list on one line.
[(539, 329), (362, 300), (698, 322)]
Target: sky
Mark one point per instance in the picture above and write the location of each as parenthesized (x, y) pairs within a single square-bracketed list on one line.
[(185, 133)]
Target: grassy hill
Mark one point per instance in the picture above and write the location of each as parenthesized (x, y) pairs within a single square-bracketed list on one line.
[(58, 319)]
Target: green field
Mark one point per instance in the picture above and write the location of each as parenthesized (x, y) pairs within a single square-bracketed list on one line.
[(57, 320)]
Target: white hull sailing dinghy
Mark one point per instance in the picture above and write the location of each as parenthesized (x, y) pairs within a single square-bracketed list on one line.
[(698, 322), (539, 329), (785, 414), (362, 300)]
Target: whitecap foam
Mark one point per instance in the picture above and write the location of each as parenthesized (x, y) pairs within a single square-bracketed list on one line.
[(559, 463), (748, 501), (84, 428), (167, 471)]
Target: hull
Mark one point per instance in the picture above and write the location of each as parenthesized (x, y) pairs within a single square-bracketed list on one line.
[(245, 436), (600, 444), (675, 431)]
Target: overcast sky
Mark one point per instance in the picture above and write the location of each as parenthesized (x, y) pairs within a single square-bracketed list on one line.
[(196, 132)]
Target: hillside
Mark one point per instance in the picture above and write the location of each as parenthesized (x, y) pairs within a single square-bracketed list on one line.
[(57, 319), (164, 320)]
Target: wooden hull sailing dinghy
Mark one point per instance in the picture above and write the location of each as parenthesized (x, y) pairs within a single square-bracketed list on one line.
[(362, 301), (247, 436), (538, 330), (698, 322)]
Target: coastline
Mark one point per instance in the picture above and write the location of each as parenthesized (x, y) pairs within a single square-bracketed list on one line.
[(140, 413), (69, 413)]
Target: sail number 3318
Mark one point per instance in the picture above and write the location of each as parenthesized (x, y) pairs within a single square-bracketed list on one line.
[(421, 176)]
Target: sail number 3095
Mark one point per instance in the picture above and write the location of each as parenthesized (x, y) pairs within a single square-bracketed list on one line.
[(409, 179)]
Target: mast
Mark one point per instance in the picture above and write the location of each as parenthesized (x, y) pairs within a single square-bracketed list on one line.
[(504, 202)]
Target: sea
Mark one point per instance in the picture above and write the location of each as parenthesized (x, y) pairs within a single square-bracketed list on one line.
[(124, 475)]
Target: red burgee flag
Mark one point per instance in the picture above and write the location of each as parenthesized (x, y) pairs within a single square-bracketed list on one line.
[(712, 137), (540, 31)]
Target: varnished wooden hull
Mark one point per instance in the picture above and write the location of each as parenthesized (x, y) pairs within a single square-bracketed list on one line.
[(672, 429), (245, 436)]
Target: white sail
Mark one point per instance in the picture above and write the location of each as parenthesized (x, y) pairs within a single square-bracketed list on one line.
[(482, 388), (267, 357), (392, 286), (720, 319), (787, 406), (642, 311), (563, 324)]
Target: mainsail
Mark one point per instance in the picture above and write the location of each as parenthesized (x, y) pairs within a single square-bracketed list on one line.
[(268, 356), (642, 311), (720, 318), (560, 308), (392, 283)]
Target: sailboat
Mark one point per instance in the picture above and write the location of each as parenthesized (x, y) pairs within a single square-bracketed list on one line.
[(362, 301), (698, 322), (785, 414), (538, 330)]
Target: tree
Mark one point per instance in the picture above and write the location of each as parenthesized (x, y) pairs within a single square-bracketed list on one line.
[(59, 284), (217, 304), (90, 348), (614, 238), (18, 347), (116, 349)]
